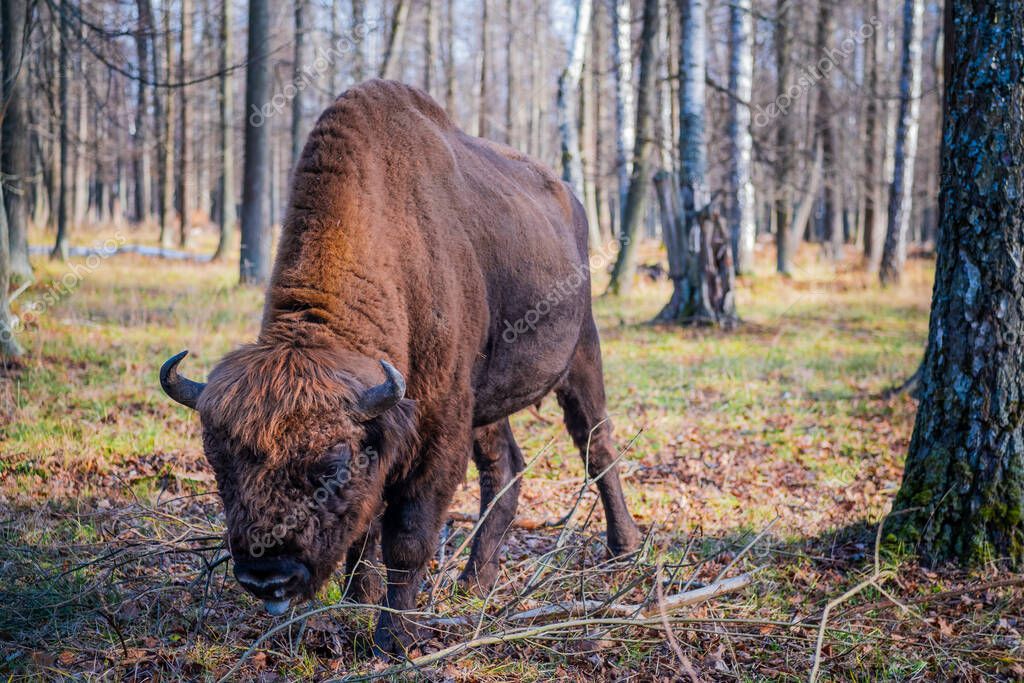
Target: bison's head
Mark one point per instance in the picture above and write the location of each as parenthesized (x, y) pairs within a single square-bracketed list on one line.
[(302, 449)]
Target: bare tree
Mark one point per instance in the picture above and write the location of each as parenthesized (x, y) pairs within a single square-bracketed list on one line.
[(60, 247), (874, 113), (826, 134), (254, 261), (167, 136), (357, 27), (143, 36), (185, 154), (9, 346), (622, 41), (510, 75), (226, 219), (742, 228), (16, 164), (482, 96), (568, 86), (392, 57), (640, 182), (783, 138), (298, 64), (449, 57), (902, 191)]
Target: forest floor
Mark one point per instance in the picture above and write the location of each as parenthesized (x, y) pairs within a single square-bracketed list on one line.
[(766, 450)]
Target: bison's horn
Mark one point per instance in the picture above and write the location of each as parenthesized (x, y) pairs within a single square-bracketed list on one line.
[(376, 400), (181, 389)]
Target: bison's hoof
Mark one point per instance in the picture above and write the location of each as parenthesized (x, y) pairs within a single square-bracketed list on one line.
[(624, 540), (394, 640), (478, 583)]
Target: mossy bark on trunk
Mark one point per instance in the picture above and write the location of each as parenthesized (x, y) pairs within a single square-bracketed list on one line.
[(962, 497)]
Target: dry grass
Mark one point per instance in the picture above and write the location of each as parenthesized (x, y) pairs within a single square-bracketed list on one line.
[(766, 451)]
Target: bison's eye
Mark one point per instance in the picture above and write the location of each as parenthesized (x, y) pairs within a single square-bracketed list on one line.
[(335, 464)]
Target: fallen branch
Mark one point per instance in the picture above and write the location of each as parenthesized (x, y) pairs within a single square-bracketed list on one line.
[(578, 608)]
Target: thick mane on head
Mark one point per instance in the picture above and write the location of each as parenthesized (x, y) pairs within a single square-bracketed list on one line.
[(266, 397)]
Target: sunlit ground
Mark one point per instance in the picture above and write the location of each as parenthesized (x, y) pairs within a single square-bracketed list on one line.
[(775, 429)]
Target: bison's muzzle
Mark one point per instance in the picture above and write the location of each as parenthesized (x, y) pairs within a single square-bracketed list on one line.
[(274, 580)]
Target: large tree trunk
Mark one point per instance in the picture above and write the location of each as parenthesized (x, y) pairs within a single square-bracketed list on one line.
[(185, 156), (8, 343), (16, 164), (962, 496), (901, 193), (254, 261), (568, 87), (640, 182), (702, 292), (226, 217), (742, 227), (784, 140)]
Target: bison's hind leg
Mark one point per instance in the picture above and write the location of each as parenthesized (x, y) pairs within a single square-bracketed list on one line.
[(499, 461), (581, 396)]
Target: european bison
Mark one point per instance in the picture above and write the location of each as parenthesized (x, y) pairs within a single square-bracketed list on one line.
[(464, 264)]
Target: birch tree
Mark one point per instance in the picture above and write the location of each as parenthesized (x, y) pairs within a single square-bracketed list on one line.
[(901, 192), (703, 274), (568, 87), (622, 54), (742, 228)]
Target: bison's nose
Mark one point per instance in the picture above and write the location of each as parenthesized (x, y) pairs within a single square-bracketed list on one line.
[(274, 580)]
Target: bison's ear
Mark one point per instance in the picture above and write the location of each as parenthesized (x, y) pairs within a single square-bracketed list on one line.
[(394, 434)]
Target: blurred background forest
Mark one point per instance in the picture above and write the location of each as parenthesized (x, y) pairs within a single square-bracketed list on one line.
[(808, 114)]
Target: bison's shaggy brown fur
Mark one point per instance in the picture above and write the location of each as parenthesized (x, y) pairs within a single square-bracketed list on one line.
[(405, 240)]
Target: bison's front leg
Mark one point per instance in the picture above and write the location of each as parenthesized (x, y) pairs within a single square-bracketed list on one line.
[(409, 536)]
